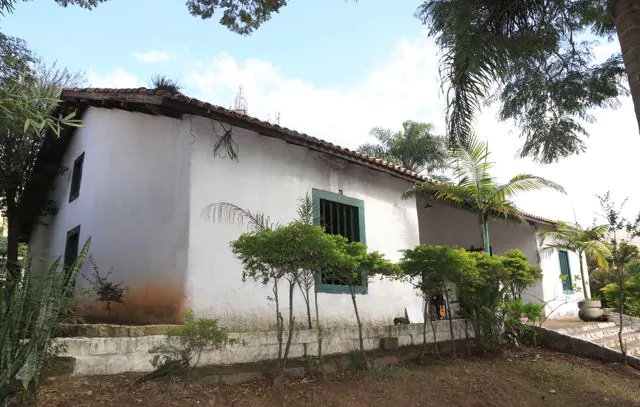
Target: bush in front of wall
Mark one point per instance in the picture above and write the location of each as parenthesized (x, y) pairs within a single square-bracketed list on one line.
[(192, 337)]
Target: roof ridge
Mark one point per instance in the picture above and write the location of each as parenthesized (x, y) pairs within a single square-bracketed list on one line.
[(302, 138)]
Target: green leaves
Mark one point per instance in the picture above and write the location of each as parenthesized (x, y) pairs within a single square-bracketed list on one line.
[(475, 188), (415, 148), (527, 56), (29, 312), (589, 241)]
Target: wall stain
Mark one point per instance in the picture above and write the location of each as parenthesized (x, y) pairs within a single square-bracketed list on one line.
[(143, 304)]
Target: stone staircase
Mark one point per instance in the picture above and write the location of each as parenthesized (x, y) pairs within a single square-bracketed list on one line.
[(606, 334)]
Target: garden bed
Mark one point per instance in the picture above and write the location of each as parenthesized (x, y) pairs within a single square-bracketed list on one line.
[(528, 376)]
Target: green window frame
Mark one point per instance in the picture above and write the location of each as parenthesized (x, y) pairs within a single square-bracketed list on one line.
[(76, 178), (565, 272), (346, 225), (71, 247)]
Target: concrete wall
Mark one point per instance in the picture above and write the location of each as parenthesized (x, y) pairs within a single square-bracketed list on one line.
[(101, 356), (133, 202), (449, 225), (270, 176)]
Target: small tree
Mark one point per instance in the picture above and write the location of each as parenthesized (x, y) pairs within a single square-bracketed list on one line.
[(274, 255), (481, 297), (431, 269), (106, 290), (519, 273), (621, 232), (349, 266)]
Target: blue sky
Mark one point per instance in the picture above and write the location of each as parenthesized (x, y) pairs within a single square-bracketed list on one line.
[(331, 68), (331, 41)]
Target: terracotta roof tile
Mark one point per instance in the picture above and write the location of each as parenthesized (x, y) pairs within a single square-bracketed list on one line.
[(305, 139)]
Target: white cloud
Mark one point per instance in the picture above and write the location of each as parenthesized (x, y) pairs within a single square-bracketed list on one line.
[(402, 87), (153, 56), (118, 78)]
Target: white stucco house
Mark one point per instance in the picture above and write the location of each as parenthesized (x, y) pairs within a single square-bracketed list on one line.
[(143, 167)]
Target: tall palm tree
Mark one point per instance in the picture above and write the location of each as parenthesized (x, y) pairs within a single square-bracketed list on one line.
[(476, 189), (532, 57), (584, 242), (415, 147)]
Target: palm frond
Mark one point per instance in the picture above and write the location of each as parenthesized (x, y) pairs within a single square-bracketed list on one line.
[(472, 168), (377, 151), (228, 212), (442, 192), (599, 251), (524, 183), (505, 210)]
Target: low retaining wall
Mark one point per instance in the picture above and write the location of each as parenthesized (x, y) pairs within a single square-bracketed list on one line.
[(109, 355), (568, 344), (627, 320)]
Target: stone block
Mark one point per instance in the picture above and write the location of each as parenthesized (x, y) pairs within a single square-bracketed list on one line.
[(389, 343)]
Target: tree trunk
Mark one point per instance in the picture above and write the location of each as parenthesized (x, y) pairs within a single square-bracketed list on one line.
[(621, 311), (485, 233), (13, 233), (279, 324), (292, 287), (448, 313), (306, 300), (626, 16), (433, 330), (425, 315), (318, 327), (587, 293), (360, 339)]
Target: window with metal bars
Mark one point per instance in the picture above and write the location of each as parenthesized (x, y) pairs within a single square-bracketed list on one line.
[(340, 215)]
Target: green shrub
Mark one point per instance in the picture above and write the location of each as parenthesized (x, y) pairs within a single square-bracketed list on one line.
[(29, 312), (192, 337)]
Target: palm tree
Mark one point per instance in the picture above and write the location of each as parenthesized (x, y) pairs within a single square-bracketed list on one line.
[(415, 147), (477, 190), (584, 242), (530, 56)]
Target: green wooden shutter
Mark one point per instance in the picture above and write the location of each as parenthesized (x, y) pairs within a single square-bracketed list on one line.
[(565, 271)]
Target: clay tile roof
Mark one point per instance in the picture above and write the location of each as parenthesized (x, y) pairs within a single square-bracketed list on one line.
[(177, 104), (164, 98)]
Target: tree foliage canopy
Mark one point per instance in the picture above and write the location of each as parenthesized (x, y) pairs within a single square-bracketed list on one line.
[(475, 188), (415, 148), (533, 57)]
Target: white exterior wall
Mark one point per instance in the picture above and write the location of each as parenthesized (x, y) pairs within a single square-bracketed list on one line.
[(558, 303), (452, 226), (133, 202), (271, 176)]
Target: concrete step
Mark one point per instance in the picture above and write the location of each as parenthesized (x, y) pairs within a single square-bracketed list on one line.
[(633, 348), (612, 341), (585, 327), (594, 335)]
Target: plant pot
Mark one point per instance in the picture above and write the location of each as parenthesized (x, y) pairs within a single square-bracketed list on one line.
[(590, 310)]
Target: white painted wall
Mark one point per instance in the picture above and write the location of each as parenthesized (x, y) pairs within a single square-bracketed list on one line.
[(450, 225), (270, 176), (560, 305), (134, 202)]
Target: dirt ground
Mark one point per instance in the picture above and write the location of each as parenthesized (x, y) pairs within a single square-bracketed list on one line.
[(525, 377)]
